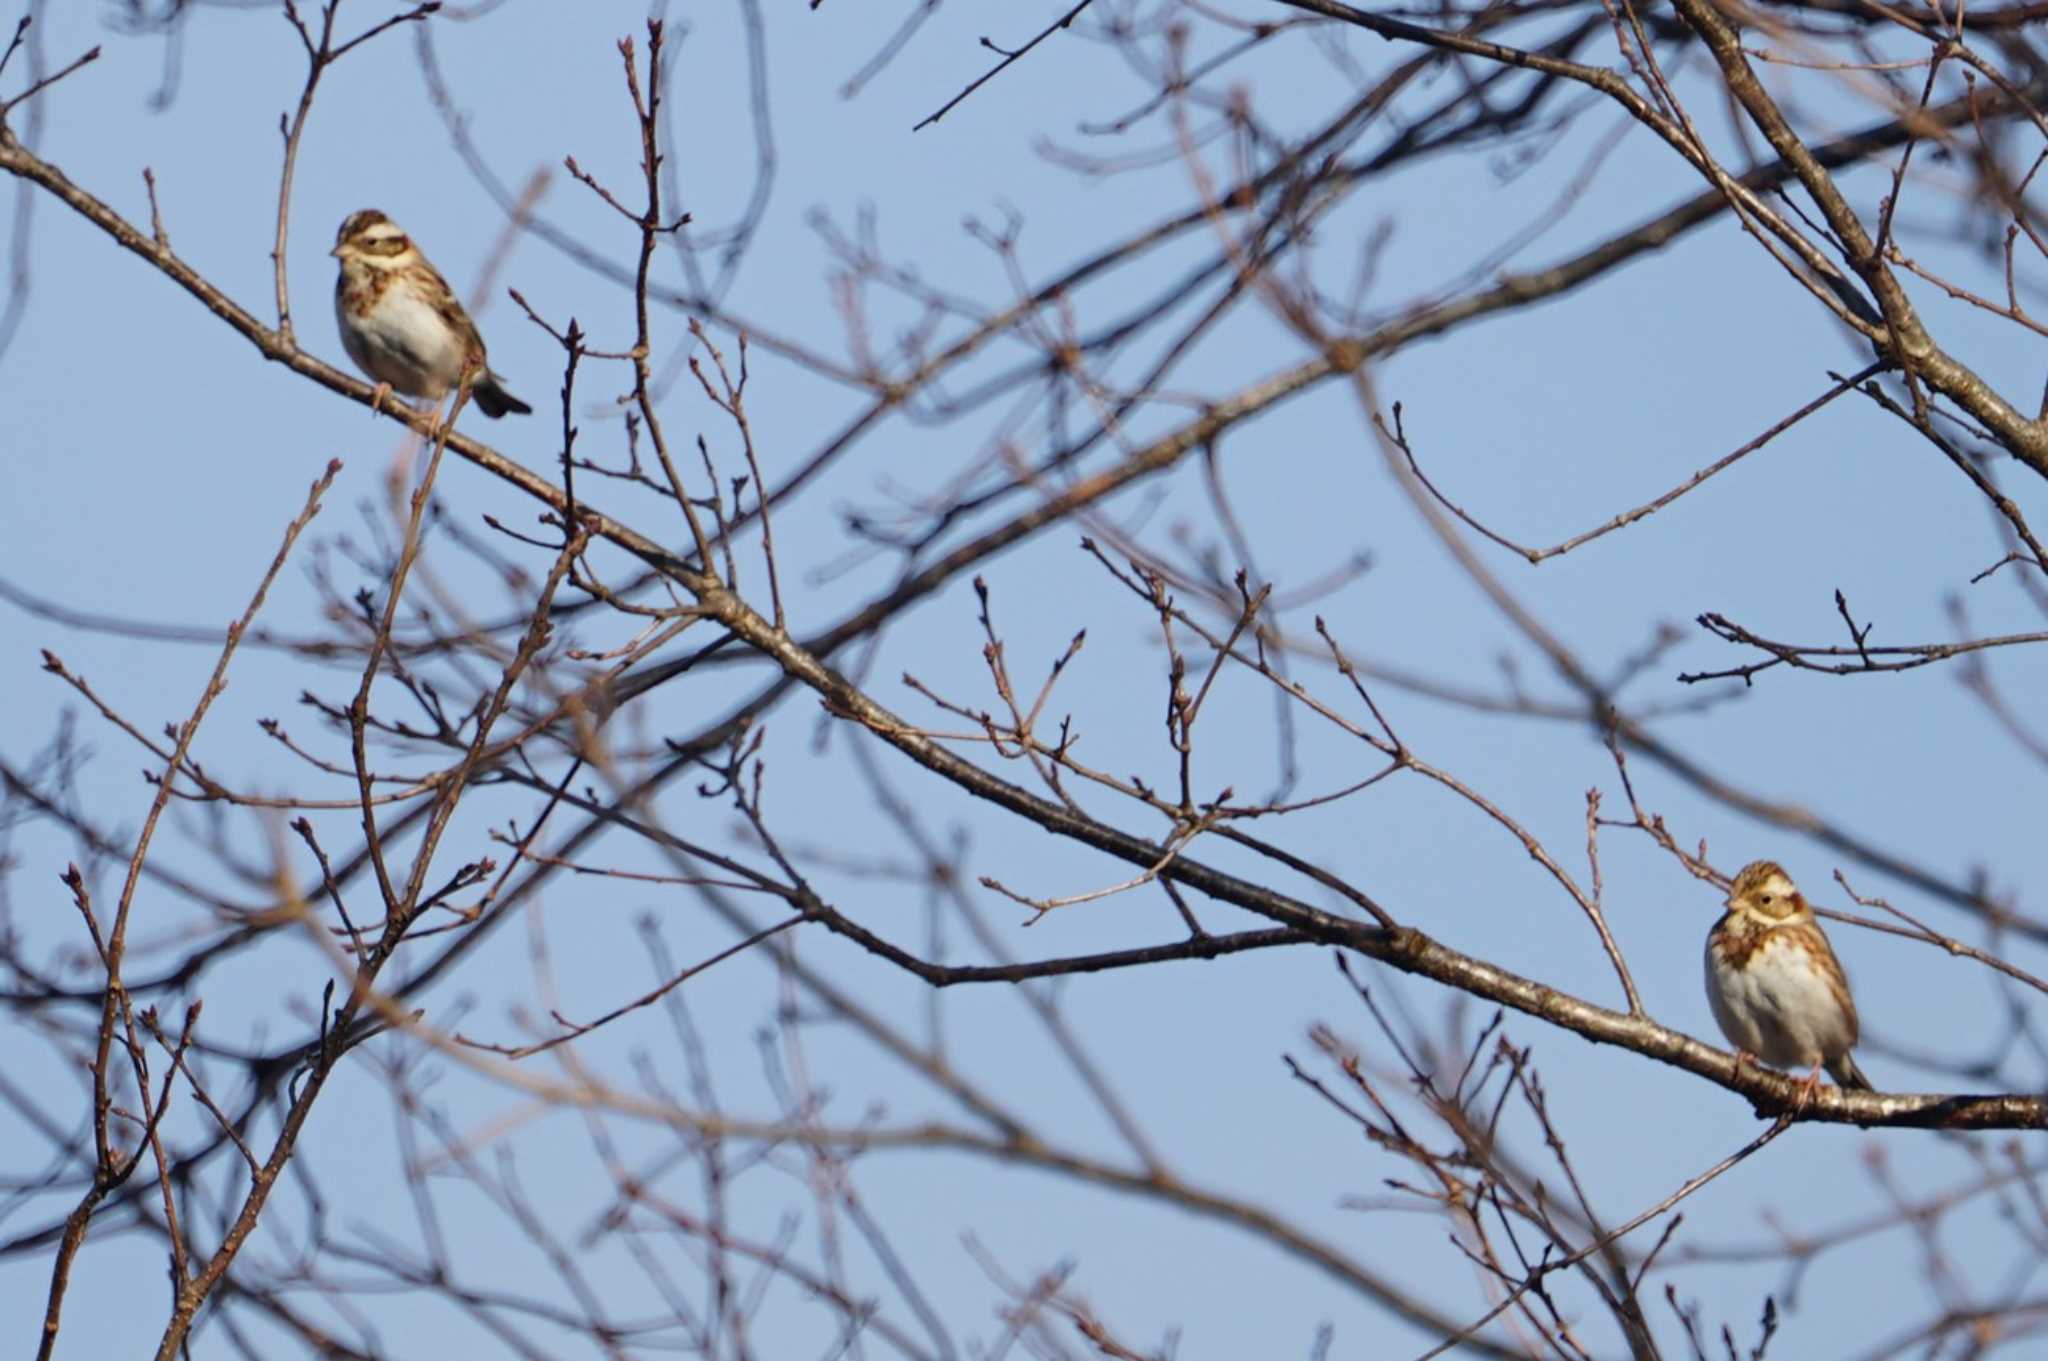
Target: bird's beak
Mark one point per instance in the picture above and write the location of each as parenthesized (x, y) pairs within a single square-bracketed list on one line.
[(335, 252)]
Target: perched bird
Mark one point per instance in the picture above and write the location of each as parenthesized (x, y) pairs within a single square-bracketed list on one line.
[(402, 324), (1776, 988)]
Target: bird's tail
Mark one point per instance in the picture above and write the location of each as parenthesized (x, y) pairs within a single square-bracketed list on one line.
[(1842, 1068), (492, 399)]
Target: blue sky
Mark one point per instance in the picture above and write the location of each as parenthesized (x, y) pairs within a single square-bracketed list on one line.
[(155, 458)]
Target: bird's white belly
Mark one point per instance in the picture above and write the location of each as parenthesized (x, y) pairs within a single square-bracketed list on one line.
[(407, 343), (1780, 1008)]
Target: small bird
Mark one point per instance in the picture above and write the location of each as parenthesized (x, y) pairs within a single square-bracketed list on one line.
[(1774, 983), (401, 322)]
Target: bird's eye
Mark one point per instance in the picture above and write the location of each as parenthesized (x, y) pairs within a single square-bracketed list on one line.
[(1763, 899)]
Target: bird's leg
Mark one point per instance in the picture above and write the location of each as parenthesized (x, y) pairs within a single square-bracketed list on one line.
[(444, 416), (378, 398), (1809, 1087)]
